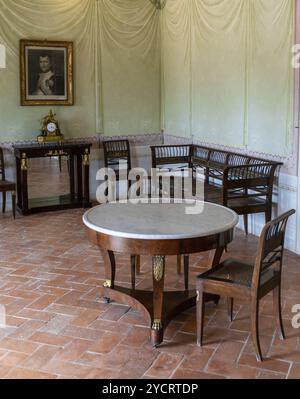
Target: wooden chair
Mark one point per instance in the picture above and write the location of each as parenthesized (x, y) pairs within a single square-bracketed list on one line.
[(6, 186), (116, 151), (251, 282), (173, 158)]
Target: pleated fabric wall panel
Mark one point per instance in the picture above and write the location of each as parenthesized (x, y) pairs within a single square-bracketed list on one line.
[(117, 64), (215, 70), (227, 72)]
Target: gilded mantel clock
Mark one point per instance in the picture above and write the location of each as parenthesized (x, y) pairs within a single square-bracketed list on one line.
[(50, 129)]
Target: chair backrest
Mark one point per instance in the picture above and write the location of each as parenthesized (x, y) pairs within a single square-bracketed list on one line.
[(115, 151), (271, 247), (2, 168), (175, 156)]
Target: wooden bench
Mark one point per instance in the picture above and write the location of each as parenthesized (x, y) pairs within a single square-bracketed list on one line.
[(240, 182)]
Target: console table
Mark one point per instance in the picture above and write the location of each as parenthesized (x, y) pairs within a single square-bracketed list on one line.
[(79, 160)]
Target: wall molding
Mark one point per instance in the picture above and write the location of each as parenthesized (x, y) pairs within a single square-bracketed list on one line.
[(170, 139), (137, 140), (289, 162)]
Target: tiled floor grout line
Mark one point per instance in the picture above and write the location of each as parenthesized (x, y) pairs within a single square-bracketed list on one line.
[(272, 341), (242, 349), (211, 357), (35, 279), (289, 371), (176, 368)]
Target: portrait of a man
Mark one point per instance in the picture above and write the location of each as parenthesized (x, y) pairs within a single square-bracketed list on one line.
[(49, 80), (46, 73)]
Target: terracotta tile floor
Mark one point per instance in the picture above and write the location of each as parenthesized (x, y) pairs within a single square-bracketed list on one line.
[(59, 327)]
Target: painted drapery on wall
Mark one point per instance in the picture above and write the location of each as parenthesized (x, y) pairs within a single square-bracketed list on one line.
[(227, 73), (214, 70), (117, 80)]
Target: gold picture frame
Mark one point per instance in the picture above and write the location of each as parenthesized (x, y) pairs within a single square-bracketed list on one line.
[(46, 72)]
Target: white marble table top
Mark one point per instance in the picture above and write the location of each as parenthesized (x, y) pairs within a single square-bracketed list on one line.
[(159, 221)]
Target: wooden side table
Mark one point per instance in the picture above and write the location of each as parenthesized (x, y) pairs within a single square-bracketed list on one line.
[(79, 161)]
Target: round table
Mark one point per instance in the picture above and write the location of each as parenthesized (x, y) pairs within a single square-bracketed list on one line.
[(157, 229)]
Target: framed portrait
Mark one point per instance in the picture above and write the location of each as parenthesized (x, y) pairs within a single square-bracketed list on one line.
[(46, 72)]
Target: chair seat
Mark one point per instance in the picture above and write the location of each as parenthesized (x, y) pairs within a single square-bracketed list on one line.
[(236, 272), (6, 185), (213, 188), (236, 202)]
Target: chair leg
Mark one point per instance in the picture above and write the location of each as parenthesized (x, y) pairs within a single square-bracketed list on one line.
[(133, 270), (13, 199), (200, 316), (268, 215), (230, 308), (178, 264), (277, 310), (186, 271), (59, 161), (3, 202), (254, 330), (138, 264), (246, 223)]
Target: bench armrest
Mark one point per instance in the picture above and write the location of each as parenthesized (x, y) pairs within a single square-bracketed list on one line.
[(243, 175), (248, 181)]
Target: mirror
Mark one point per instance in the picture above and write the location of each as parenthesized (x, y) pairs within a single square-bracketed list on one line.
[(48, 177)]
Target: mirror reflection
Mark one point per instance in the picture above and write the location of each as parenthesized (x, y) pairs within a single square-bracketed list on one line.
[(48, 177)]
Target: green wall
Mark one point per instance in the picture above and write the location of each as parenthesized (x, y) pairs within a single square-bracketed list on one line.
[(214, 71), (116, 66), (227, 72)]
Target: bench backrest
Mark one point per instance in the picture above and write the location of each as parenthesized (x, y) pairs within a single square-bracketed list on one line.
[(216, 160), (213, 160), (171, 155)]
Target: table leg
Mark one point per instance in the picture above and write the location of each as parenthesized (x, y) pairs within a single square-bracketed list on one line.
[(86, 174), (186, 271), (133, 270), (24, 183), (79, 177), (158, 271), (86, 185), (72, 176), (178, 264), (110, 272), (138, 264), (19, 186), (215, 257), (13, 200)]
